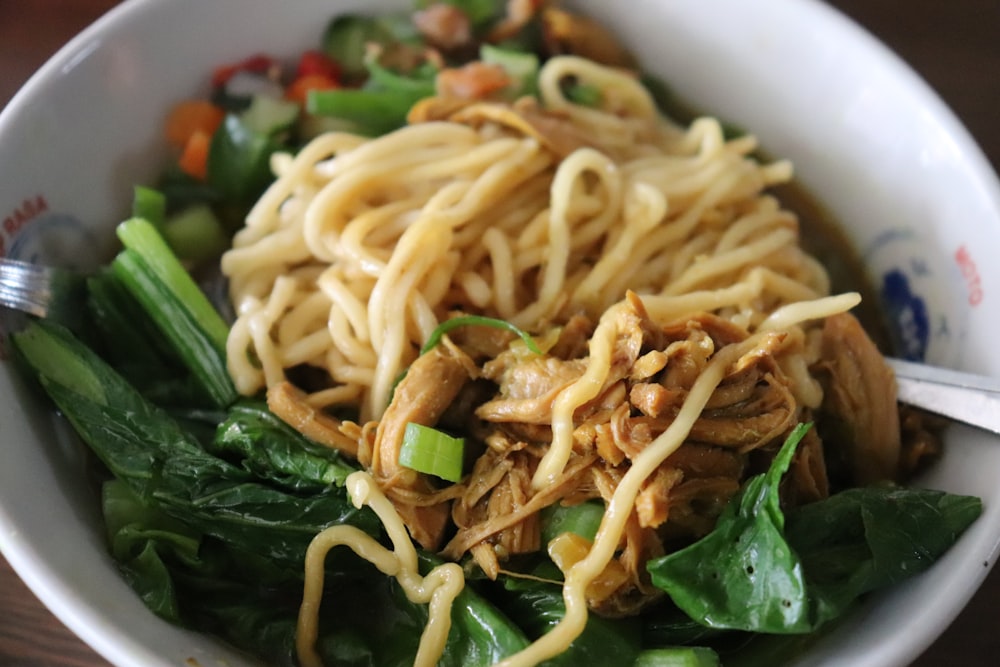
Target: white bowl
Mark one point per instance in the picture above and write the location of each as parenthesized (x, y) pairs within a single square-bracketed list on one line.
[(867, 136)]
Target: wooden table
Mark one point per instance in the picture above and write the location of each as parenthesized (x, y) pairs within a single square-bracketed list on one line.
[(955, 45)]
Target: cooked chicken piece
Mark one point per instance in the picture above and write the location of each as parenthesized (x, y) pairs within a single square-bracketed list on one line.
[(459, 101), (290, 405), (567, 33), (806, 480), (528, 387), (444, 26), (518, 14), (422, 396), (473, 81), (860, 399)]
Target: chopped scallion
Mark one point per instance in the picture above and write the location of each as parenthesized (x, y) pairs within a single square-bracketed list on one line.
[(145, 241), (520, 66), (478, 321), (431, 451), (680, 656), (149, 204), (195, 233)]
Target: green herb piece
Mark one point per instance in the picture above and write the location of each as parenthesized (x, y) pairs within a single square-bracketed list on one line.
[(585, 95), (150, 204), (476, 321), (431, 451), (239, 160), (680, 656), (370, 112), (195, 233), (269, 115), (538, 607), (520, 66), (582, 519)]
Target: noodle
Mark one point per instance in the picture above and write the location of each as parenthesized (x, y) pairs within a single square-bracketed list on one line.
[(440, 215)]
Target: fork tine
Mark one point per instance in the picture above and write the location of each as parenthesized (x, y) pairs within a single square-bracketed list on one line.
[(32, 288)]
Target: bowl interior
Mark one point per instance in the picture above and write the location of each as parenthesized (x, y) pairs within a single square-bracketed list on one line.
[(868, 138)]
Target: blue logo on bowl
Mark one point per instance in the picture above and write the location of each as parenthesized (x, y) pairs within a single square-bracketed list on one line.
[(909, 322)]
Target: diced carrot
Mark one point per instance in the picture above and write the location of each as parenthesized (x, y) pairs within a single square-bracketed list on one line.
[(189, 117), (298, 90), (317, 62), (194, 158)]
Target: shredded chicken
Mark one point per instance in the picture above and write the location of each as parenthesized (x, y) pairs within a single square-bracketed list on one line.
[(501, 397), (289, 404), (433, 381), (445, 26), (459, 101), (860, 401), (568, 33), (474, 81)]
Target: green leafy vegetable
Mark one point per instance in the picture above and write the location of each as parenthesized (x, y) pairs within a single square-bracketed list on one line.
[(538, 606), (239, 160), (271, 449), (863, 539), (583, 519), (743, 575), (757, 573), (142, 238), (164, 465)]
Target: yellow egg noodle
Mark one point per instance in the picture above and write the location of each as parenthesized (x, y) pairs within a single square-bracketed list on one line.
[(362, 247)]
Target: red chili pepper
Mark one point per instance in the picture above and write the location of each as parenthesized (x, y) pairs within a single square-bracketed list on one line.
[(258, 64), (315, 62)]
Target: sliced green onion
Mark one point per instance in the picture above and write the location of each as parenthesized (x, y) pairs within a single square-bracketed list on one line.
[(418, 82), (195, 233), (269, 115), (584, 95), (431, 451), (185, 332), (142, 238), (679, 656), (372, 112), (520, 66), (347, 37), (583, 519), (149, 204), (476, 321)]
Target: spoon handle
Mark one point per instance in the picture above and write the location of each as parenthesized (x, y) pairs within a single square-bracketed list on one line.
[(965, 397)]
